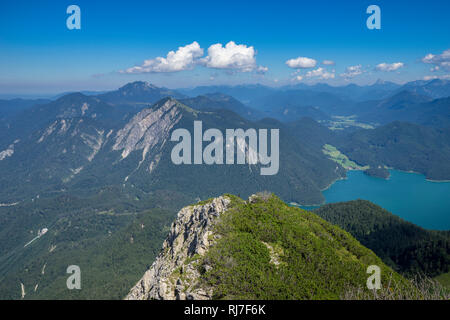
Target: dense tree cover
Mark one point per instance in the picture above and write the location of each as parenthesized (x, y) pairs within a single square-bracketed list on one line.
[(110, 264), (303, 170), (112, 237), (407, 248), (401, 145), (219, 101), (77, 157), (88, 218), (407, 106), (378, 172), (269, 250)]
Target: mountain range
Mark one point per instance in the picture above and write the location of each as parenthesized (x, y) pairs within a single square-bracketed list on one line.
[(138, 92), (95, 168), (421, 101), (78, 140), (88, 142)]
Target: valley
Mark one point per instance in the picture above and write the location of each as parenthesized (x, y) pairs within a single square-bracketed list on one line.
[(235, 151), (96, 171)]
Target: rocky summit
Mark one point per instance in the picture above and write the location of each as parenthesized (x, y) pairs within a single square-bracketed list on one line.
[(190, 235), (228, 248)]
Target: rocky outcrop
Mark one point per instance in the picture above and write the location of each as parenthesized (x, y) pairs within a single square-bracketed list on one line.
[(174, 274), (7, 153), (148, 128)]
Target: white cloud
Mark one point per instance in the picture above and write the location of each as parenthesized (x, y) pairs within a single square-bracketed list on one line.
[(389, 66), (182, 59), (328, 62), (320, 73), (301, 63), (232, 56), (261, 69), (298, 78), (442, 77), (352, 71), (442, 61), (435, 68)]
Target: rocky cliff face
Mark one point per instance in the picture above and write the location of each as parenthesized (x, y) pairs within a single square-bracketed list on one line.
[(148, 128), (174, 275)]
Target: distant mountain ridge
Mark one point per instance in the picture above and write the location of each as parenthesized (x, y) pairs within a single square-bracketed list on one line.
[(379, 103), (245, 93), (288, 103), (97, 124), (380, 89), (139, 92), (401, 145), (436, 88), (10, 108), (217, 101), (79, 140), (96, 173)]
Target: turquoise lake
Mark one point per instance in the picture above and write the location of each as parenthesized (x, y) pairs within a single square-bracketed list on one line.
[(408, 195)]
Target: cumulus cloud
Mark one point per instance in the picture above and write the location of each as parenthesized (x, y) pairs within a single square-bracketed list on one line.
[(441, 61), (232, 56), (320, 73), (435, 68), (352, 71), (389, 66), (298, 78), (442, 77), (261, 69), (301, 63), (328, 62), (183, 59)]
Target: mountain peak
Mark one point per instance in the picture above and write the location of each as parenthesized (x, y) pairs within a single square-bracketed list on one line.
[(73, 96), (138, 85), (138, 92), (211, 242), (438, 81), (189, 236), (410, 95), (167, 101), (149, 129)]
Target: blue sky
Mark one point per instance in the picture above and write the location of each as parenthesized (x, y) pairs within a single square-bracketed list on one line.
[(39, 54)]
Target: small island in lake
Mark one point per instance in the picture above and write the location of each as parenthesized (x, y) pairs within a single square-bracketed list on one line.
[(379, 172)]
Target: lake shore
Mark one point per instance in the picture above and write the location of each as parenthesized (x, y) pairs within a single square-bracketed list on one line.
[(406, 194), (333, 182)]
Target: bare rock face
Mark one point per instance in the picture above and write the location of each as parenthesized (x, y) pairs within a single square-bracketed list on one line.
[(174, 274), (147, 129)]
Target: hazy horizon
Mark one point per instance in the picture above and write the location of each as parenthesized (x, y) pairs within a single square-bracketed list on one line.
[(186, 44)]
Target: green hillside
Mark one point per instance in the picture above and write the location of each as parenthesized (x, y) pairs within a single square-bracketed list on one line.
[(111, 237), (400, 145), (407, 248), (268, 250), (444, 279)]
